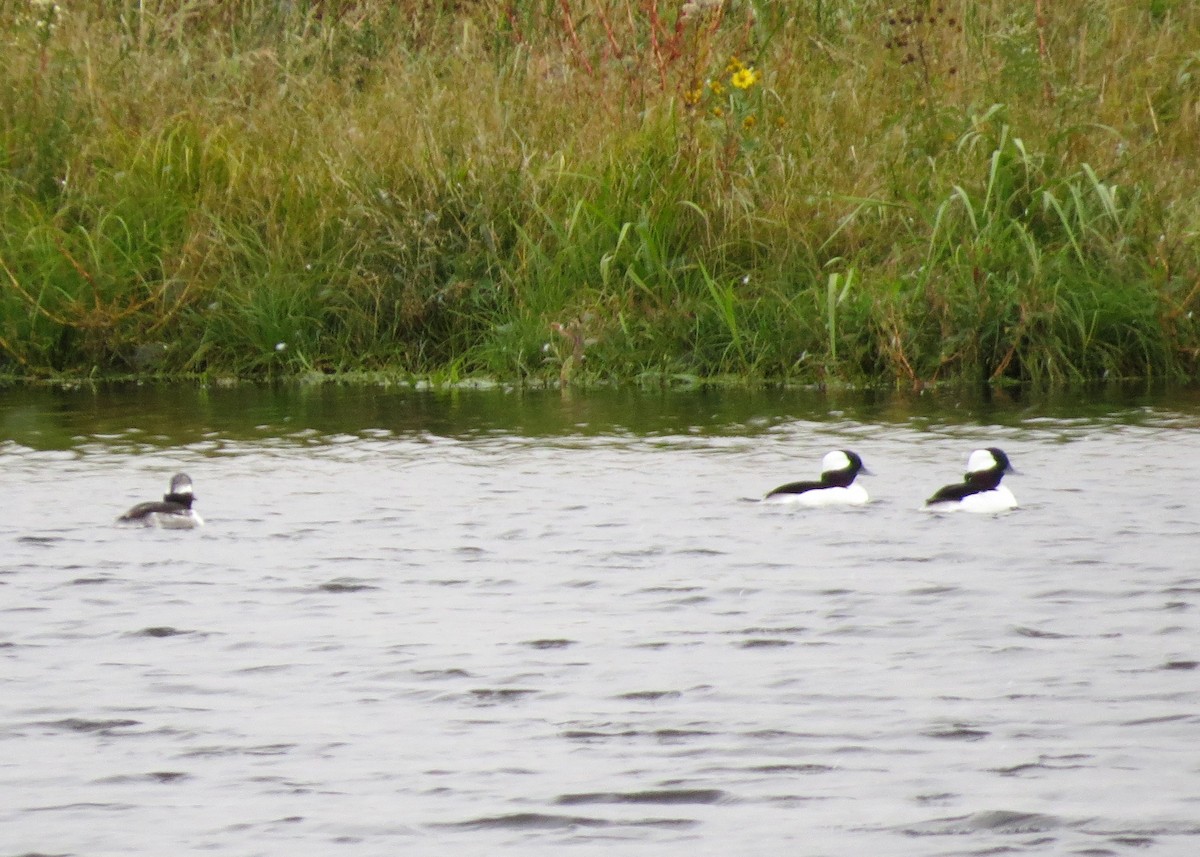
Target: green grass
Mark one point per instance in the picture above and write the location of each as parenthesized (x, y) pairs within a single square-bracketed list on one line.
[(581, 193)]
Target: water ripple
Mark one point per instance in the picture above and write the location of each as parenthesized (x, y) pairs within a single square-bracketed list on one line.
[(405, 630)]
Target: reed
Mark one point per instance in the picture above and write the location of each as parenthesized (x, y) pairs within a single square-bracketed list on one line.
[(618, 191)]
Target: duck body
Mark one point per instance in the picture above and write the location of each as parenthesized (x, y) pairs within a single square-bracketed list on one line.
[(836, 486), (173, 512), (980, 491)]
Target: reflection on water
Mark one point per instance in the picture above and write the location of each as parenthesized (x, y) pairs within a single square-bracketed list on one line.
[(59, 418), (460, 622)]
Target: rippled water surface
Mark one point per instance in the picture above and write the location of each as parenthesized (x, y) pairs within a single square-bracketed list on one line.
[(488, 622)]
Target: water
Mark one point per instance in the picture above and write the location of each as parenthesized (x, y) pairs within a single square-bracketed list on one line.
[(480, 622)]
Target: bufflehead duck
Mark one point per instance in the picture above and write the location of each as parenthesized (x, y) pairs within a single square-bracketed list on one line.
[(980, 490), (173, 512), (835, 487)]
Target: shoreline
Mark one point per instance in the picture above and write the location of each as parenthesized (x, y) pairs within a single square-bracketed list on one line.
[(787, 197)]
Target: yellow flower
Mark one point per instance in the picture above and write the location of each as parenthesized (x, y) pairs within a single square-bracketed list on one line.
[(734, 65), (716, 87), (749, 122), (745, 78)]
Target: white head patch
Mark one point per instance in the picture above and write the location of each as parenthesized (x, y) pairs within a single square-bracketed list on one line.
[(980, 460), (836, 460)]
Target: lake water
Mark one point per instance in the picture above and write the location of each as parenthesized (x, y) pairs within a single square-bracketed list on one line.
[(474, 623)]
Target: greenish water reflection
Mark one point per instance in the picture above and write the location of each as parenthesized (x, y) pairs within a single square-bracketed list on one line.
[(52, 418)]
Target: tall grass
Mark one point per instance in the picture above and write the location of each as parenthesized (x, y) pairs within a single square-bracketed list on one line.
[(835, 192)]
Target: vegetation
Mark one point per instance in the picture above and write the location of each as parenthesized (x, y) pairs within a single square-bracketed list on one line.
[(630, 190)]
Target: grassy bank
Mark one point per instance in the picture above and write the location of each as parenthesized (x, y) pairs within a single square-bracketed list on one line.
[(618, 189)]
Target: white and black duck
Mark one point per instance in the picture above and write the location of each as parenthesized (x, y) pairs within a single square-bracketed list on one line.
[(835, 487), (980, 490), (174, 511)]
